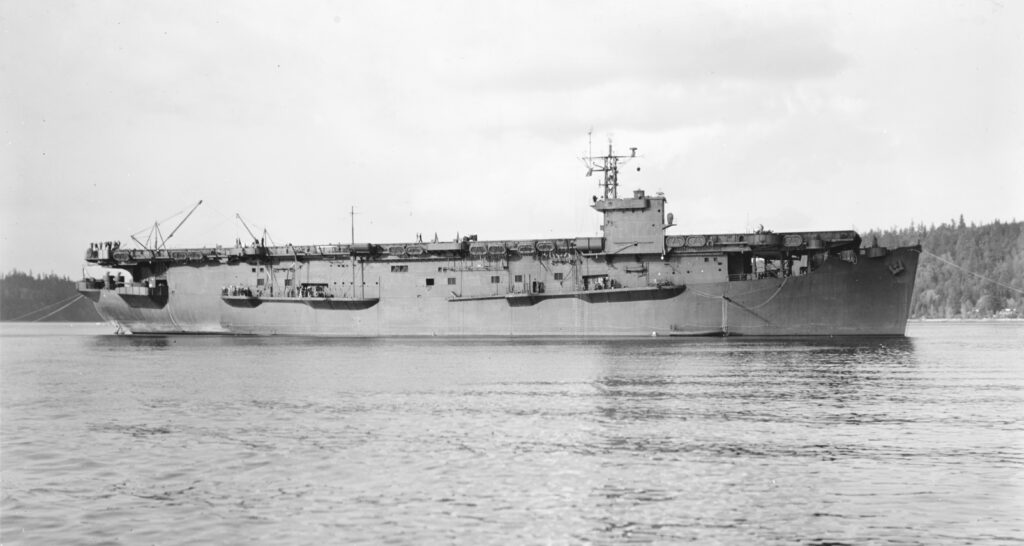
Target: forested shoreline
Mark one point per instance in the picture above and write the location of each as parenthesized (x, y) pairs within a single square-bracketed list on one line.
[(966, 271), (27, 297)]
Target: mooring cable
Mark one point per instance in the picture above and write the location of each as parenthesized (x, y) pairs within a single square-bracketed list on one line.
[(43, 308), (965, 270)]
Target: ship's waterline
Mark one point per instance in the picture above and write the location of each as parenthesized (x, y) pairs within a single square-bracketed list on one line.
[(635, 280)]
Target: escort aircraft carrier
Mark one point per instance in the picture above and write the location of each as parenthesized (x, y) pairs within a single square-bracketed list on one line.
[(634, 280)]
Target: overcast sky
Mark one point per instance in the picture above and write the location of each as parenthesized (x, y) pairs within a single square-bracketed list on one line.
[(470, 117)]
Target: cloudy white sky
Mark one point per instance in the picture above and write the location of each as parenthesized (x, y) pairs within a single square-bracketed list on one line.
[(469, 117)]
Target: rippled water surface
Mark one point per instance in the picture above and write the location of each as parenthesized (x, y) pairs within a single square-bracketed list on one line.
[(184, 440)]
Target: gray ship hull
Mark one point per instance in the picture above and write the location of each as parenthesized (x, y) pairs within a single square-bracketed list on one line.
[(633, 280), (863, 296)]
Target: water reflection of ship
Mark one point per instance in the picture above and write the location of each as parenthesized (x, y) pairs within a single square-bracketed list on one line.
[(151, 343), (740, 379)]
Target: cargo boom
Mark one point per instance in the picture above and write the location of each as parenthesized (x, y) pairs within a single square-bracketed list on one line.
[(633, 281)]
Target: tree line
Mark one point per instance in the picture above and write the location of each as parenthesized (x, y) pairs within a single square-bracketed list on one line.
[(966, 270), (28, 297)]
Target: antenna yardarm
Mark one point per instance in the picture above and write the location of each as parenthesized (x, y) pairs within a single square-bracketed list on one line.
[(609, 165)]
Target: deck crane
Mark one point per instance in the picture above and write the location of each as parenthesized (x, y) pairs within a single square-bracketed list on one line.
[(246, 226), (156, 238), (260, 242)]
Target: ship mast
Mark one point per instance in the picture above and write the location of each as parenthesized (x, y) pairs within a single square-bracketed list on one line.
[(352, 254), (352, 249), (609, 165)]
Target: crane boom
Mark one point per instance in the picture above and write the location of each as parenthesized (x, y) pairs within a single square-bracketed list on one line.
[(246, 226), (175, 230)]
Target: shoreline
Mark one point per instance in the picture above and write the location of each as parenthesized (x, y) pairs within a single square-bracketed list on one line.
[(965, 319)]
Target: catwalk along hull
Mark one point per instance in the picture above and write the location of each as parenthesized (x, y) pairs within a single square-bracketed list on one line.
[(864, 296)]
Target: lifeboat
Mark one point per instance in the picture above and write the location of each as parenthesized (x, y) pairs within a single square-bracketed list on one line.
[(792, 240), (589, 244), (765, 239)]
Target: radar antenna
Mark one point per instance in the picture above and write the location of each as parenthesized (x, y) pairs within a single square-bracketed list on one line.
[(609, 165)]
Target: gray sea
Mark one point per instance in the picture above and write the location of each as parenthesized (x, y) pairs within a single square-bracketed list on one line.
[(225, 440)]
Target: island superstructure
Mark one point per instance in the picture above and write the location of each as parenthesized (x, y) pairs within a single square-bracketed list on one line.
[(634, 280)]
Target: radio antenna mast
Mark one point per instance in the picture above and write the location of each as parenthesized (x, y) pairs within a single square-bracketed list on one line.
[(609, 165), (352, 252), (590, 145)]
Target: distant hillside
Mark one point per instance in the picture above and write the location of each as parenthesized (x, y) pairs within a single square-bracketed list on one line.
[(29, 298), (985, 253)]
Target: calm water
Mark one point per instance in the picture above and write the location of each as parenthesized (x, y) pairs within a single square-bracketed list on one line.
[(184, 440)]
